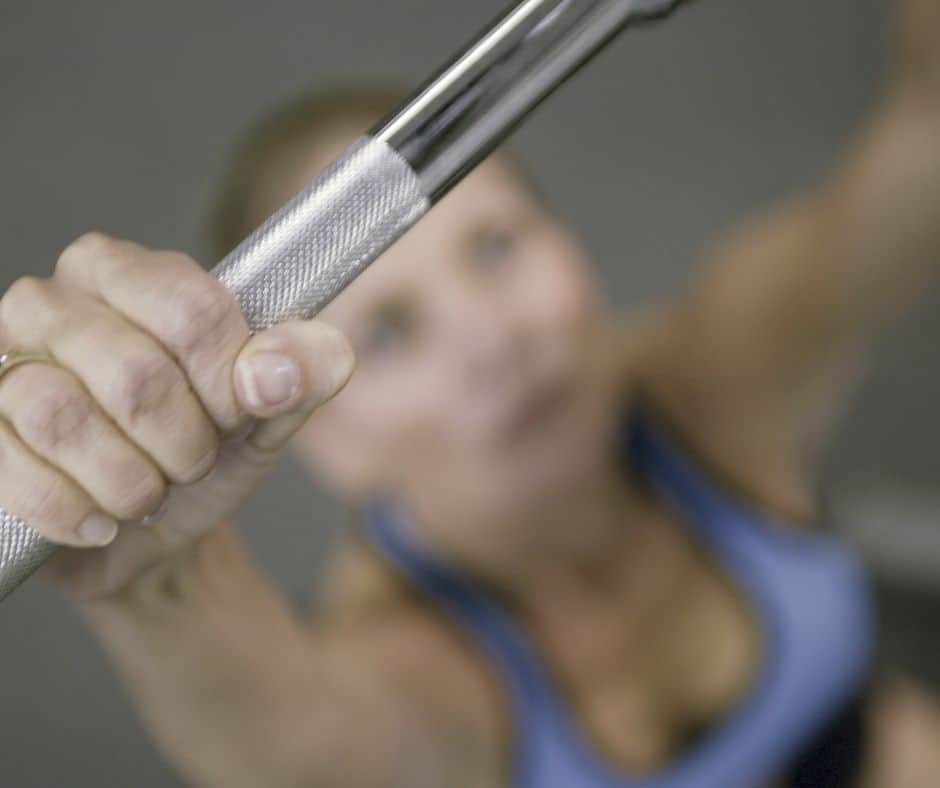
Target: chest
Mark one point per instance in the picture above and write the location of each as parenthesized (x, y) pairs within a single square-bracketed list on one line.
[(644, 667), (630, 668), (639, 667)]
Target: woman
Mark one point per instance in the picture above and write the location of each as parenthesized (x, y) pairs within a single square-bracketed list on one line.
[(587, 558)]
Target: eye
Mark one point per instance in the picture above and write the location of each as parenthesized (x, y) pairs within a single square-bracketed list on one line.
[(492, 247), (389, 331)]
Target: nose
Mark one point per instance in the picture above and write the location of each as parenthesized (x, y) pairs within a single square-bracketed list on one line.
[(486, 343)]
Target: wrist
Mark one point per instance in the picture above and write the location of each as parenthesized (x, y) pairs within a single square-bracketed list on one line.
[(175, 580)]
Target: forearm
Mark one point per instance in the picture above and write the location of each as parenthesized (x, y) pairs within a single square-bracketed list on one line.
[(769, 340), (234, 689), (207, 653), (878, 214), (863, 244), (919, 46), (883, 202)]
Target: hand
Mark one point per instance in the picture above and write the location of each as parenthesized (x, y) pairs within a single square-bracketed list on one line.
[(155, 398)]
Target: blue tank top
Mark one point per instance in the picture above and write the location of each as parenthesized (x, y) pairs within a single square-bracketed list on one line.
[(808, 593)]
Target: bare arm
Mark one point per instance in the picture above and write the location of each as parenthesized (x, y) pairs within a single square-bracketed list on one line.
[(146, 376), (904, 728), (239, 692), (765, 346)]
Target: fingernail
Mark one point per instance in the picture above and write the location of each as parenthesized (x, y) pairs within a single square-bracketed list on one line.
[(98, 529), (267, 379)]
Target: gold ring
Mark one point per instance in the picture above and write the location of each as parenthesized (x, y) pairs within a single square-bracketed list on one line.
[(13, 358)]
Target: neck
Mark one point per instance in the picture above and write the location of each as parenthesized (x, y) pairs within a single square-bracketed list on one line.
[(565, 533), (566, 528)]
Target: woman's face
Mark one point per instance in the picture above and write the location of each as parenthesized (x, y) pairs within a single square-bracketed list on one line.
[(471, 334)]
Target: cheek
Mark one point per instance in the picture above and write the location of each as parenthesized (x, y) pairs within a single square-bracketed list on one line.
[(398, 414), (562, 281)]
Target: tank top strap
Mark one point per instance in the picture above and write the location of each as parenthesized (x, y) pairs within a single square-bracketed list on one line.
[(737, 532), (533, 704), (807, 593)]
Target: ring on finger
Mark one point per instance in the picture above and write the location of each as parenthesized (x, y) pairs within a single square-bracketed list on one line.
[(13, 358)]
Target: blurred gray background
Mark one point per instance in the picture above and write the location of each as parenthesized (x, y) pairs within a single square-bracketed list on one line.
[(118, 116)]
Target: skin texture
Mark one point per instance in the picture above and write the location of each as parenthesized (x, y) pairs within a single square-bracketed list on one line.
[(101, 437), (489, 376)]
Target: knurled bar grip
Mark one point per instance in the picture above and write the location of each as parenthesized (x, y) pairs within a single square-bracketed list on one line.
[(289, 268)]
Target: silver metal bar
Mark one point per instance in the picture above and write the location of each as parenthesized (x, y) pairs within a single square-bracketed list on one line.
[(315, 245), (452, 122), (289, 268)]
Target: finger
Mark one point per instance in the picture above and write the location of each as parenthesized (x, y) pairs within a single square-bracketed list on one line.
[(56, 418), (284, 373), (131, 376), (48, 500), (174, 299)]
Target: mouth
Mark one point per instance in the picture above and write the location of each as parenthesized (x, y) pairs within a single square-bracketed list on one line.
[(538, 410)]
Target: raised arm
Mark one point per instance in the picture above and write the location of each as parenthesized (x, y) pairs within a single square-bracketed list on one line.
[(239, 692), (756, 357), (144, 385)]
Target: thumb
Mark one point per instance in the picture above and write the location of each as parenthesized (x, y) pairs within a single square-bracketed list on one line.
[(284, 373)]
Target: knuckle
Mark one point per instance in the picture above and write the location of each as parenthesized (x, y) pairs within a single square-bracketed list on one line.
[(54, 417), (202, 311), (27, 298), (144, 382), (93, 240), (83, 249), (341, 357), (138, 497), (91, 243), (342, 346), (202, 465), (43, 500), (48, 506), (335, 338)]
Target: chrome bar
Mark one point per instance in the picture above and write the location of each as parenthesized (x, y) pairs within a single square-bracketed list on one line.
[(316, 244), (456, 118)]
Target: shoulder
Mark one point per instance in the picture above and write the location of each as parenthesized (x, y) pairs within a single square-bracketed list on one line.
[(904, 725), (671, 369), (371, 612), (358, 584)]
